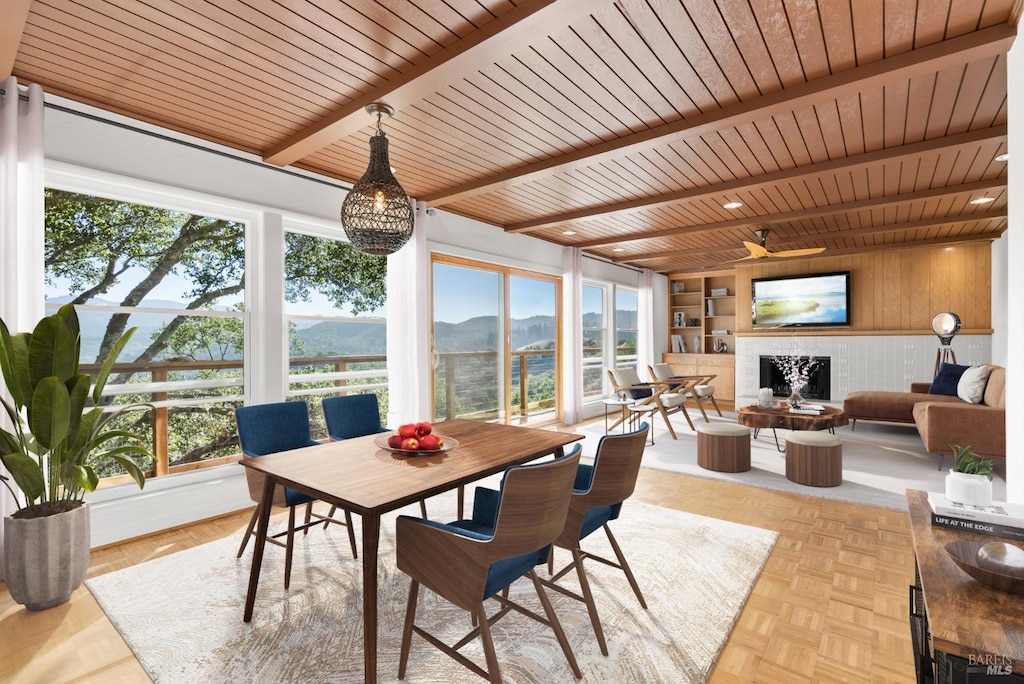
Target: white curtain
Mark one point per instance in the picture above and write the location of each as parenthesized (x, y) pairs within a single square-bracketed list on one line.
[(645, 322), (21, 220), (409, 344), (572, 335)]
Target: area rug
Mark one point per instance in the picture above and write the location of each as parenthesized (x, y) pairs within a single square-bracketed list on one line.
[(880, 461), (182, 614)]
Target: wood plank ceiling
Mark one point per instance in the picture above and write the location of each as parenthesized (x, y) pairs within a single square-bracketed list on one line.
[(619, 127)]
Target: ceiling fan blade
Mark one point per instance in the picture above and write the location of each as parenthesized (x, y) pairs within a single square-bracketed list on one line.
[(798, 252), (756, 250)]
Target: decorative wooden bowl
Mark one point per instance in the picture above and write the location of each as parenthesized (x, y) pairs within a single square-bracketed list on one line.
[(965, 555)]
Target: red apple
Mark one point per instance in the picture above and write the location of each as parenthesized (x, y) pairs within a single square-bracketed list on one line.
[(422, 428), (430, 443), (395, 441), (410, 444), (408, 430)]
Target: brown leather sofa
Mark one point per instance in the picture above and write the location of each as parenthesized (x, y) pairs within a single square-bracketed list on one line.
[(941, 420)]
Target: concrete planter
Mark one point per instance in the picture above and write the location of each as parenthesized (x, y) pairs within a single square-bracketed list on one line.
[(45, 559)]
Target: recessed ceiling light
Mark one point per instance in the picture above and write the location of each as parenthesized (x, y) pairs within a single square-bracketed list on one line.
[(568, 232), (982, 200), (1003, 157), (732, 205), (618, 249)]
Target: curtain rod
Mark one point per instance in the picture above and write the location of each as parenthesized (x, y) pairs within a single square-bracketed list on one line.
[(611, 263)]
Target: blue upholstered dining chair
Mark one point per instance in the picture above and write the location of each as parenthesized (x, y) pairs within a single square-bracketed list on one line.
[(271, 428), (352, 415), (597, 497), (470, 561)]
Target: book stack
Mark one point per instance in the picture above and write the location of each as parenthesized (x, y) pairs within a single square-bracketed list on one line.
[(719, 292), (1000, 519), (808, 409)]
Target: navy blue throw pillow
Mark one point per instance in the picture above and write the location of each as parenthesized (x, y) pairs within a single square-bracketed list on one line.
[(647, 391), (946, 379)]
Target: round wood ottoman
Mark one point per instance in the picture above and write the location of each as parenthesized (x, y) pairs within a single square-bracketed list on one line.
[(814, 458), (724, 447)]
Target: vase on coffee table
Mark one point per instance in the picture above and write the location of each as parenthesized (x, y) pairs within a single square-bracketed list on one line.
[(795, 400)]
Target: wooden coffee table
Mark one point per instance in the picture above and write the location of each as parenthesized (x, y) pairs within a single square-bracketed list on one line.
[(755, 417)]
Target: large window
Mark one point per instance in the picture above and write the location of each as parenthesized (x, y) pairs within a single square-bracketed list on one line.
[(337, 332), (625, 327), (593, 322), (175, 276)]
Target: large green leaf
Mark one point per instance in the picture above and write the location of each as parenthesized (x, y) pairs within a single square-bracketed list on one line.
[(52, 349), (132, 467), (27, 474), (78, 390), (14, 365), (48, 419), (78, 447), (108, 363)]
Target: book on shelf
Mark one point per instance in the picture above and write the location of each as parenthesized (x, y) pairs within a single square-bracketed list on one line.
[(719, 332), (991, 529), (998, 512), (678, 345), (719, 292), (711, 307)]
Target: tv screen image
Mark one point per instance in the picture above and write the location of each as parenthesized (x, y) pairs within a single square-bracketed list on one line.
[(820, 300)]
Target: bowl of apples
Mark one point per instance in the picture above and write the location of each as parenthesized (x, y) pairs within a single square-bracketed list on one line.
[(415, 439)]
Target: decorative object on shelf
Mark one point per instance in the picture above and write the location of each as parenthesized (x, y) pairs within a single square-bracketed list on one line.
[(765, 397), (679, 319), (376, 214), (945, 325), (720, 346), (678, 287), (693, 322), (796, 368), (970, 479), (719, 292), (52, 455), (696, 344)]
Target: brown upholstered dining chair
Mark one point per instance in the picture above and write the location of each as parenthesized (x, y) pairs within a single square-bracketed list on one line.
[(665, 397), (597, 498), (470, 561)]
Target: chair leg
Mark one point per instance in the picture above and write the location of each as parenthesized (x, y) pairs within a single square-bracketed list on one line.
[(423, 508), (686, 414), (555, 625), (551, 560), (410, 617), (493, 671), (668, 423), (942, 459), (625, 566), (248, 531), (309, 516), (330, 514), (351, 534), (713, 401), (588, 598), (290, 547), (700, 407)]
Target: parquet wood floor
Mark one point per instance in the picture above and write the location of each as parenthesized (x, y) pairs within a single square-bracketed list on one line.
[(829, 606)]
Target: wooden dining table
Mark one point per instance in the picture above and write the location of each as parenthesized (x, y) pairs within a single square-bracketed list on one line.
[(357, 475)]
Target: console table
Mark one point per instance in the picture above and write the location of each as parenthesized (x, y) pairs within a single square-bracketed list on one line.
[(963, 631)]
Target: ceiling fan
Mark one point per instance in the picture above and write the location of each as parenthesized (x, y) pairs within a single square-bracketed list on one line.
[(759, 251)]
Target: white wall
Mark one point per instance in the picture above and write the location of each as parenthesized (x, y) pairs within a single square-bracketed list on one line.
[(1015, 276)]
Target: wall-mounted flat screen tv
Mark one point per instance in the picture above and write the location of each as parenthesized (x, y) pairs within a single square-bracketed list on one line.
[(820, 299)]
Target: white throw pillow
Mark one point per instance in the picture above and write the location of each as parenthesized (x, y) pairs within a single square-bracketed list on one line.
[(971, 387)]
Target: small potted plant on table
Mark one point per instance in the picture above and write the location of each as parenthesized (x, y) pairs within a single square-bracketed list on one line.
[(970, 479)]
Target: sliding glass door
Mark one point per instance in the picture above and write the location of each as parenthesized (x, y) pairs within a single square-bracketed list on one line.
[(495, 342)]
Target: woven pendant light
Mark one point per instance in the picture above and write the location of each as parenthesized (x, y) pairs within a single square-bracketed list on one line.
[(376, 214)]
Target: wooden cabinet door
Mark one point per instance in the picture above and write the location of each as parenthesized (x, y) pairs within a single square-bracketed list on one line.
[(724, 367)]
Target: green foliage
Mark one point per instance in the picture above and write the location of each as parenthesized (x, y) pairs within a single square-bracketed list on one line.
[(965, 461), (57, 438)]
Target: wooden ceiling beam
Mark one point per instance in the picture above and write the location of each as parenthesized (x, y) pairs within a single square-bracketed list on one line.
[(799, 214), (13, 15), (496, 39), (981, 135), (821, 237), (969, 47)]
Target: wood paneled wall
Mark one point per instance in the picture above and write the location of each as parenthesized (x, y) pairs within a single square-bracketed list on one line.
[(896, 291)]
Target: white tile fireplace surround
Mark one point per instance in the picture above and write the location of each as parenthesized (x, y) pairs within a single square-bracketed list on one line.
[(859, 362)]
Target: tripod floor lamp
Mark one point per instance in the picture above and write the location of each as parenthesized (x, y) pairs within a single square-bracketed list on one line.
[(945, 325)]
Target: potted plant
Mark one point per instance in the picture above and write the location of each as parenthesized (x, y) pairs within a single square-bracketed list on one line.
[(59, 432), (970, 479)]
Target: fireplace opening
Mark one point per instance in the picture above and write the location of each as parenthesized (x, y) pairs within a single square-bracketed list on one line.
[(819, 381)]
